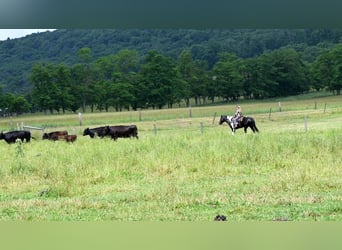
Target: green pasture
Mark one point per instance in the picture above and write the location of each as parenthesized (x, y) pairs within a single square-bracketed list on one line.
[(182, 168)]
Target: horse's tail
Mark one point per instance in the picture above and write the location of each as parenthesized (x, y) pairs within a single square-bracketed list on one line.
[(256, 129), (254, 126)]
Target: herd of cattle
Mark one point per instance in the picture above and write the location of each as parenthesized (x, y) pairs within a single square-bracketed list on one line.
[(115, 132)]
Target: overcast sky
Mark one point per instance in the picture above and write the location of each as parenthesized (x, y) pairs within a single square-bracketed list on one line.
[(16, 33)]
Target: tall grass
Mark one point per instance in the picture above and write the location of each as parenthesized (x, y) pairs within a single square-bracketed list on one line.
[(177, 174), (181, 168)]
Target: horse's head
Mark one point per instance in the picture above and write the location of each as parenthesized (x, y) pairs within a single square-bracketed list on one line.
[(224, 118)]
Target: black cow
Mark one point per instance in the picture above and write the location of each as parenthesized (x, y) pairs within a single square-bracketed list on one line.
[(56, 135), (99, 131), (123, 131), (12, 136)]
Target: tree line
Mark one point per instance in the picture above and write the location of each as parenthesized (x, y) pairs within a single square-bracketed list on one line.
[(61, 46), (127, 81)]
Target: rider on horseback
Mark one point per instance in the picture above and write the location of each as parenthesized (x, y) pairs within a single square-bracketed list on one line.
[(237, 115)]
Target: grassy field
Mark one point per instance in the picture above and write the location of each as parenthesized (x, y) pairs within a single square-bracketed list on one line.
[(182, 168)]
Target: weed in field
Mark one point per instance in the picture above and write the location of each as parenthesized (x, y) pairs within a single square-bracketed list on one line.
[(18, 165)]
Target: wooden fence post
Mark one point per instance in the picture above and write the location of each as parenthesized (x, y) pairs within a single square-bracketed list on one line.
[(11, 122), (269, 115), (80, 118), (305, 124), (155, 129), (214, 118), (139, 114), (325, 107)]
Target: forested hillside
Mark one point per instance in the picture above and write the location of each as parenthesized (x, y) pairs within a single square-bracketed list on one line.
[(154, 68), (18, 55)]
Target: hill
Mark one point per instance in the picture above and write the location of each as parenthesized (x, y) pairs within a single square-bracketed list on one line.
[(18, 55)]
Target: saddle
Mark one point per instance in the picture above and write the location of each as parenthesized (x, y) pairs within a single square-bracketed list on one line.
[(238, 121)]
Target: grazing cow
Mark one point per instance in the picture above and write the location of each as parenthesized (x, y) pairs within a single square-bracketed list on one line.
[(56, 135), (99, 131), (123, 131), (71, 138), (12, 136)]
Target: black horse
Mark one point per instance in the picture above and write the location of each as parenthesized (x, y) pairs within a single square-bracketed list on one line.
[(245, 122)]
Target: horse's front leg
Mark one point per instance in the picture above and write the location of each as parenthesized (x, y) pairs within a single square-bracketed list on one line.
[(231, 125), (245, 129)]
